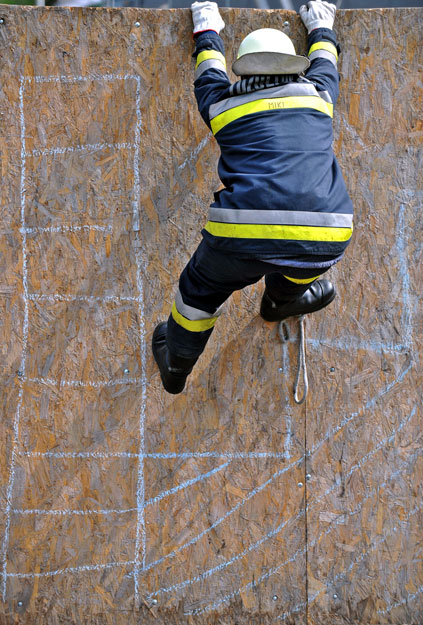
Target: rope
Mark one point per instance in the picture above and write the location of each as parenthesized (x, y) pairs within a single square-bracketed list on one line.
[(302, 366)]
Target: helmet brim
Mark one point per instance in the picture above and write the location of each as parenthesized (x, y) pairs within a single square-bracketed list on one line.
[(269, 63)]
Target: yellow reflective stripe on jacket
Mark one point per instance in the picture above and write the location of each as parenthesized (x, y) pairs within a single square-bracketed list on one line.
[(205, 55), (270, 104), (302, 281), (267, 231), (324, 45), (198, 325)]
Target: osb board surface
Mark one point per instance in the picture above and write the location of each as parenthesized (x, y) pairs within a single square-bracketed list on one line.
[(120, 503)]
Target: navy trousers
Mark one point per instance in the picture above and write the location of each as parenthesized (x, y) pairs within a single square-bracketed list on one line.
[(207, 281)]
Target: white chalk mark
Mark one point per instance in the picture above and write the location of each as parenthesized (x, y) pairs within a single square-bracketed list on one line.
[(66, 228), (10, 486), (159, 456), (83, 383), (90, 299), (301, 551), (75, 569), (351, 343), (95, 455), (70, 512), (76, 79), (141, 537), (194, 154), (239, 455), (89, 147), (401, 241), (184, 485)]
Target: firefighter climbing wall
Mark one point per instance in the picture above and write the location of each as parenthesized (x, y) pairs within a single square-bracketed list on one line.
[(227, 504)]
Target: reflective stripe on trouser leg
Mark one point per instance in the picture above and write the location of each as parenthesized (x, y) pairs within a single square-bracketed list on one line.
[(189, 328), (282, 288), (301, 280)]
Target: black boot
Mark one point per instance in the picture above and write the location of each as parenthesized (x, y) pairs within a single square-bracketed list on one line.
[(319, 295), (174, 370)]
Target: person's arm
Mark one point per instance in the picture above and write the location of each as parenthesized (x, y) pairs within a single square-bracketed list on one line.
[(323, 48), (210, 78)]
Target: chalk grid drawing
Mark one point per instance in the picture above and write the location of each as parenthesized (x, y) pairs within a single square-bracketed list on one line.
[(138, 564)]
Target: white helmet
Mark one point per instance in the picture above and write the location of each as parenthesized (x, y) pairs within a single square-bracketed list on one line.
[(268, 51)]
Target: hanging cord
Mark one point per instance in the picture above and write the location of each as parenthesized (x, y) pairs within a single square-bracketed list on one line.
[(302, 366)]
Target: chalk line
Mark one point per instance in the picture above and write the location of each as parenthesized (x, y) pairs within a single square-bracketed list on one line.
[(75, 569), (70, 512), (249, 455), (75, 79), (88, 147), (406, 321), (83, 383), (196, 151), (58, 297), (141, 537), (9, 493), (66, 228)]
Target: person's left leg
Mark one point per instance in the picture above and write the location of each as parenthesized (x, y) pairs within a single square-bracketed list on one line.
[(296, 291), (205, 284)]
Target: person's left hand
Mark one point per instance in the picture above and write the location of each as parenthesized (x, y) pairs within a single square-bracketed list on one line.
[(206, 16)]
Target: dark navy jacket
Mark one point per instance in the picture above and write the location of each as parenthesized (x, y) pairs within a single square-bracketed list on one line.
[(284, 194)]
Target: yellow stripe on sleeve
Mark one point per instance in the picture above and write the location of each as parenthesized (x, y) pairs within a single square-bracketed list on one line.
[(324, 45), (205, 55)]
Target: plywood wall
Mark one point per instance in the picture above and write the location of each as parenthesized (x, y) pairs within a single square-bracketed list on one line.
[(228, 504)]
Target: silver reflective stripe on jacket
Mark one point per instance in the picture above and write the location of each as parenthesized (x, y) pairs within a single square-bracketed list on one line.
[(285, 218), (283, 91)]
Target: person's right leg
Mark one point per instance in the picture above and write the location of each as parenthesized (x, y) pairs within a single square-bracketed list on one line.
[(206, 282), (294, 292)]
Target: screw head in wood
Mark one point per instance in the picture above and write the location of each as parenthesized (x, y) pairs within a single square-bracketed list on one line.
[(137, 24), (275, 598), (286, 23), (300, 484), (308, 477), (2, 20), (20, 603), (126, 371)]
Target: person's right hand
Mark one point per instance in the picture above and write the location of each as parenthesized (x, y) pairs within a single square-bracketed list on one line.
[(206, 16), (317, 14)]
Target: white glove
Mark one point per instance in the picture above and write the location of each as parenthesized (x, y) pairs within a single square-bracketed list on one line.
[(206, 16), (317, 14)]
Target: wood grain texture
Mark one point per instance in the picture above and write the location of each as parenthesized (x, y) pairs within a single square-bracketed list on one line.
[(229, 503)]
